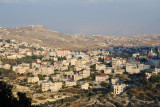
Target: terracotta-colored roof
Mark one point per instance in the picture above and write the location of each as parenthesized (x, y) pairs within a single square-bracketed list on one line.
[(49, 65), (58, 63), (98, 63), (107, 58), (101, 75), (149, 56)]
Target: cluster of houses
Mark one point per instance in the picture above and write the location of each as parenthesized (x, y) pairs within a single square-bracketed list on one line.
[(64, 68)]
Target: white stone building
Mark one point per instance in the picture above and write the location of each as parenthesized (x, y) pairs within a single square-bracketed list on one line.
[(108, 70), (56, 86), (119, 88), (100, 66), (86, 73), (45, 86), (33, 79), (114, 81), (85, 86), (70, 83), (118, 62), (77, 77), (63, 52), (132, 68), (102, 77)]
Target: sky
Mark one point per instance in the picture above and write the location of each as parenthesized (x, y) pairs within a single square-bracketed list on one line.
[(91, 17)]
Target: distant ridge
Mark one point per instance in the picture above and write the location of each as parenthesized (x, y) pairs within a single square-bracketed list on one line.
[(44, 36)]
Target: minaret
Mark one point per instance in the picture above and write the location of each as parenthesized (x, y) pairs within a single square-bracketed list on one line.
[(151, 51)]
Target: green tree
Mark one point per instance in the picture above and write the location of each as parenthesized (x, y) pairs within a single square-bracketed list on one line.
[(39, 91), (8, 100), (93, 67), (106, 85), (155, 78), (40, 77)]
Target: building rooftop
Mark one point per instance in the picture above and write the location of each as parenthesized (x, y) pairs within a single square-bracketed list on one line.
[(101, 75)]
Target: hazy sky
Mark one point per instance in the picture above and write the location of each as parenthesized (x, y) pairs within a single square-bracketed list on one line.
[(107, 17)]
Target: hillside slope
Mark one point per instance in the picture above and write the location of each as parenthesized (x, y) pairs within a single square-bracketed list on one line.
[(47, 37)]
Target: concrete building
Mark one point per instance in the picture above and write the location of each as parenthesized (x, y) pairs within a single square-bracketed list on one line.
[(77, 77), (143, 67), (70, 83), (119, 71), (63, 52), (114, 81), (85, 86), (7, 66), (56, 86), (148, 75), (119, 88), (118, 62), (33, 79), (108, 70), (45, 86), (100, 67), (132, 68), (157, 70), (86, 73), (102, 77)]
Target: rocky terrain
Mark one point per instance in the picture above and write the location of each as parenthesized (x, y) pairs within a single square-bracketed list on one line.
[(41, 35)]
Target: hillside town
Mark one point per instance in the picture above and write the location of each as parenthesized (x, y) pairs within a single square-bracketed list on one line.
[(114, 76)]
